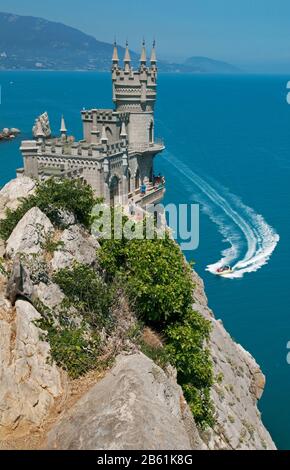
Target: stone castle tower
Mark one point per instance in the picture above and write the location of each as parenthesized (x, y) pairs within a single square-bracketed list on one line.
[(116, 154)]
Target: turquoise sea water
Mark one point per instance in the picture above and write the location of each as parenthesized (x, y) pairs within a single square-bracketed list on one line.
[(234, 133)]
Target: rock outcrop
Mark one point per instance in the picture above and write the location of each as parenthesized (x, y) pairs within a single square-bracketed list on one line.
[(8, 134), (136, 406), (11, 193), (239, 383), (10, 196), (29, 383), (29, 234), (75, 245)]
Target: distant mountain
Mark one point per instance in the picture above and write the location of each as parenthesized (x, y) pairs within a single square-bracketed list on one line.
[(34, 43), (206, 65), (28, 43)]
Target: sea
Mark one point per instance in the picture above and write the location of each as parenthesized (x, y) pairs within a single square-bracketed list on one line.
[(227, 149)]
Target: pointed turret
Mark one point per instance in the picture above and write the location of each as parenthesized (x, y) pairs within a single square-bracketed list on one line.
[(115, 58), (153, 59), (127, 59), (143, 58), (63, 129)]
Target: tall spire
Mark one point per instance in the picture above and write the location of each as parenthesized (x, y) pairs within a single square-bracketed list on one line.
[(127, 58), (143, 58), (153, 59), (63, 129), (115, 58)]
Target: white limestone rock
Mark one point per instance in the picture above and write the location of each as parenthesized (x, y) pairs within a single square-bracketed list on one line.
[(64, 218), (29, 382), (29, 234), (136, 406), (239, 384), (77, 246), (49, 294), (11, 193)]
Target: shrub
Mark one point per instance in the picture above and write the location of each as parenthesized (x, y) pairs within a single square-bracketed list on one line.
[(71, 195), (159, 284), (72, 348), (159, 281), (87, 292), (112, 256), (50, 196), (186, 351)]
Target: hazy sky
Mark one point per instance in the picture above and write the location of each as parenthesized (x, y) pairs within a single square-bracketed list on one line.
[(240, 31)]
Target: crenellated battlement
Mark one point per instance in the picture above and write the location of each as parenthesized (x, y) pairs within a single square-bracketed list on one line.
[(118, 147), (134, 90)]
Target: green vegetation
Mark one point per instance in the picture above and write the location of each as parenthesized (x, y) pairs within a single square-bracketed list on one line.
[(156, 352), (50, 245), (219, 378), (72, 348), (157, 281), (185, 347), (2, 268), (51, 196), (87, 292), (159, 285)]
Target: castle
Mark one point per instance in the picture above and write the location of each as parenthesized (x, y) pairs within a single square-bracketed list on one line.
[(118, 148)]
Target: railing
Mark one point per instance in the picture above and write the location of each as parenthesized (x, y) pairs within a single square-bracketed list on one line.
[(142, 147)]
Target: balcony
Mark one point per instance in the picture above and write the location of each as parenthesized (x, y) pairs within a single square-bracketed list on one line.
[(151, 147), (153, 195)]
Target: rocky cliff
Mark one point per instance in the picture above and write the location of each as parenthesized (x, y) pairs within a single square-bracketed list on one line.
[(131, 403)]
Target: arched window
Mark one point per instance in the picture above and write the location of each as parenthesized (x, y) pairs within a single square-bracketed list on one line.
[(114, 189), (109, 133), (151, 133), (137, 179)]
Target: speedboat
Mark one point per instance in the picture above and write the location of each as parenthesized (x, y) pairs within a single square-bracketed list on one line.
[(224, 270)]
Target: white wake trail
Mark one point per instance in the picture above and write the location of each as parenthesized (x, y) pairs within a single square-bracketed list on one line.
[(238, 223)]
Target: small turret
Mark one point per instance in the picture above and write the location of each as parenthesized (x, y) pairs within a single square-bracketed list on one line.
[(115, 58), (153, 59), (127, 59), (123, 133), (143, 58), (63, 129)]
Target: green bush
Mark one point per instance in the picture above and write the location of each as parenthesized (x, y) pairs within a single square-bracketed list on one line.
[(112, 256), (187, 352), (87, 292), (158, 282), (72, 348), (200, 404), (160, 288), (50, 196)]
